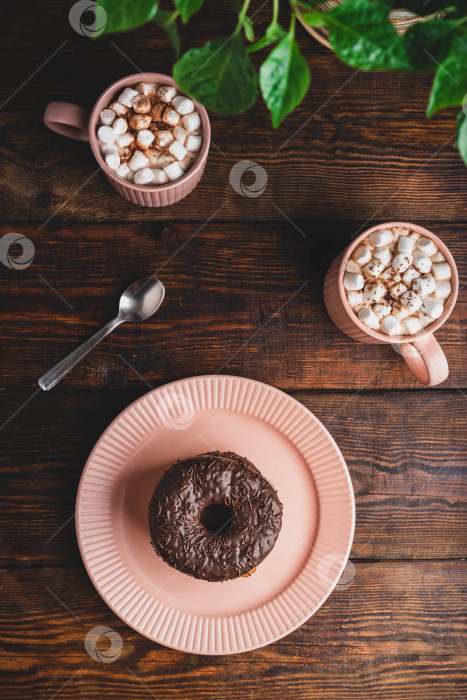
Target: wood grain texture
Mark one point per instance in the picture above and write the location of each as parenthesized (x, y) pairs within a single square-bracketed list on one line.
[(410, 493), (357, 147), (396, 630), (241, 299)]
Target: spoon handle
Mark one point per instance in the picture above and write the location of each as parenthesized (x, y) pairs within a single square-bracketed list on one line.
[(58, 371)]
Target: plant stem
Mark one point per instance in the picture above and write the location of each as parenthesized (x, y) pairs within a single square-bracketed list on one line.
[(275, 11), (242, 14)]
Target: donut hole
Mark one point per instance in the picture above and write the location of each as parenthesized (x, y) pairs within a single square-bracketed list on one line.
[(216, 518)]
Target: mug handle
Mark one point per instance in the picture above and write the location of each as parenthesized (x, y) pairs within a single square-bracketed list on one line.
[(426, 360), (67, 119)]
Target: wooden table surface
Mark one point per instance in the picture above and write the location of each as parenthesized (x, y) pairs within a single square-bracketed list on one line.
[(244, 296)]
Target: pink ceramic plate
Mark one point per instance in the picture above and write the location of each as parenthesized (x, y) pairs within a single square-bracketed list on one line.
[(291, 448)]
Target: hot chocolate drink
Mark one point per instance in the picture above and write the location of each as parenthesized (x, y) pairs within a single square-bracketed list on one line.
[(150, 134), (397, 281)]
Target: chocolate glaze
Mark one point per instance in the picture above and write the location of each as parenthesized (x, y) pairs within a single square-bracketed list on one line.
[(221, 478)]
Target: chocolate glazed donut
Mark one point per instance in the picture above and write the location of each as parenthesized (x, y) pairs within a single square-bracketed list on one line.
[(214, 516)]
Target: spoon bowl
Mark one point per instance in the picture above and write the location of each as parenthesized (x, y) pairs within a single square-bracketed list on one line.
[(141, 300)]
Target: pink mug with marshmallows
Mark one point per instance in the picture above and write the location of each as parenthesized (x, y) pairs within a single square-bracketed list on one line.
[(74, 121), (421, 351)]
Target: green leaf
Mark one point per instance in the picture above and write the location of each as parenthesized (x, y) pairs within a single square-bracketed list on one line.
[(314, 19), (219, 75), (450, 83), (428, 43), (462, 135), (363, 37), (248, 29), (187, 8), (125, 14), (168, 21), (284, 78), (272, 35)]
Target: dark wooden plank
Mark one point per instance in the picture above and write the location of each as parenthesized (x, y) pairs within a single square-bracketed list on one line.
[(241, 299), (358, 147), (407, 468), (397, 629)]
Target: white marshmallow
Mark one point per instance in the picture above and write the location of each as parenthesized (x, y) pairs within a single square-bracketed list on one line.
[(192, 121), (397, 232), (391, 326), (411, 325), (438, 257), (177, 150), (382, 309), (125, 171), (411, 300), (186, 162), (140, 121), (166, 93), (399, 311), (165, 159), (159, 177), (119, 109), (355, 298), (106, 134), (173, 171), (127, 96), (193, 141), (397, 289), (374, 268), (422, 262), (381, 238), (124, 140), (147, 89), (405, 245), (414, 236), (362, 255), (424, 319), (424, 285), (410, 275), (390, 275), (369, 318), (164, 138), (138, 161), (183, 105), (152, 156), (353, 282), (383, 254), (427, 246), (432, 308), (171, 116), (441, 271), (107, 116), (352, 266), (120, 125), (144, 138), (143, 177), (374, 291), (443, 289), (180, 134), (112, 158), (401, 262)]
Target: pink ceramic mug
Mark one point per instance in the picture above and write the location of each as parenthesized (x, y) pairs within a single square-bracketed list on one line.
[(72, 120), (422, 351)]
